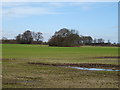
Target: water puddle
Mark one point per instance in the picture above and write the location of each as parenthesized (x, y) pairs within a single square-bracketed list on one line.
[(83, 66), (96, 69)]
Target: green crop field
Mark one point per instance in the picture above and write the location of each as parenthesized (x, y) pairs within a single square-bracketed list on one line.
[(18, 73)]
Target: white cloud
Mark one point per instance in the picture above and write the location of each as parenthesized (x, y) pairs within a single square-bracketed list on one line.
[(56, 4), (82, 5), (60, 0), (86, 8), (12, 4), (23, 11)]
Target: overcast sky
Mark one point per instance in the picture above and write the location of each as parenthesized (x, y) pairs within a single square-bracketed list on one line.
[(96, 19)]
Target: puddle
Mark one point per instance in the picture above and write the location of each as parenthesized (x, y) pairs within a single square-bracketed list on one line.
[(84, 66), (96, 69)]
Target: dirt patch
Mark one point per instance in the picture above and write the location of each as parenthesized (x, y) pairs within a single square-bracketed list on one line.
[(8, 59), (16, 81), (86, 65), (112, 57)]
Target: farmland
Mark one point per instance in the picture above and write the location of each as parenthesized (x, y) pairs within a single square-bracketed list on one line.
[(18, 73)]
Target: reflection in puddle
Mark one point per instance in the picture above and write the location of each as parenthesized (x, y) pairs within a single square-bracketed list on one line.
[(96, 69)]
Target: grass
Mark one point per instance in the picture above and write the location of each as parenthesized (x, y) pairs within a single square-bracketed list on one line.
[(17, 73), (59, 54)]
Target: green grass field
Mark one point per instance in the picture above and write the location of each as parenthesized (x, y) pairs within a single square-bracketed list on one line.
[(17, 73)]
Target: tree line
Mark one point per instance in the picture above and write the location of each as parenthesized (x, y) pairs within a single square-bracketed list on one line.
[(67, 37), (63, 37)]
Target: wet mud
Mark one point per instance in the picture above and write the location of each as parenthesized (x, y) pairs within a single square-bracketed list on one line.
[(85, 65)]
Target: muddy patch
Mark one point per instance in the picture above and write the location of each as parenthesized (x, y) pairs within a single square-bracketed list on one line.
[(8, 59), (82, 65), (105, 57), (16, 81)]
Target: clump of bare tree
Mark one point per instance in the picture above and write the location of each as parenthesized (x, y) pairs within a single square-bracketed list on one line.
[(28, 37), (65, 37)]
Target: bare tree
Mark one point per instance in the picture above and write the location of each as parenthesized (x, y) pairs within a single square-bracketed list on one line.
[(28, 37), (95, 40), (86, 39), (100, 40), (38, 36)]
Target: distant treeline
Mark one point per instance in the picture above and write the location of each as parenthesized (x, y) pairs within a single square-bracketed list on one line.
[(13, 41), (64, 37)]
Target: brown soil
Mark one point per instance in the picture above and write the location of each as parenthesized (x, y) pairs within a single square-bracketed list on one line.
[(113, 57), (8, 59), (86, 65)]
